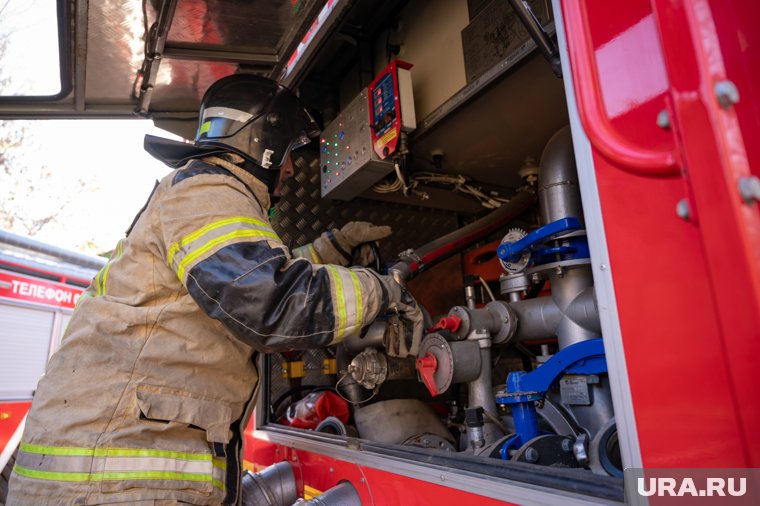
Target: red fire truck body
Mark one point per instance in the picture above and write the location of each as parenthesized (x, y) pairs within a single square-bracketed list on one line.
[(662, 100), (39, 288)]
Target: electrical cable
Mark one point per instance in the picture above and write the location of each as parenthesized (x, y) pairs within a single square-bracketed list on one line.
[(458, 181), (484, 284), (497, 422)]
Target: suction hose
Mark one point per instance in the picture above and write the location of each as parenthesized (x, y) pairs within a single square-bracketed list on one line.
[(455, 242)]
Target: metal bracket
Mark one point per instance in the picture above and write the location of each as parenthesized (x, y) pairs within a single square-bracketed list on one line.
[(749, 189)]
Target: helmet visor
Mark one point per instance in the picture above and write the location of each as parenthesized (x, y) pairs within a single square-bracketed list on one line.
[(220, 122)]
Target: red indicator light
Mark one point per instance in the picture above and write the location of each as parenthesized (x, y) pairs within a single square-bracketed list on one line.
[(324, 140), (337, 173)]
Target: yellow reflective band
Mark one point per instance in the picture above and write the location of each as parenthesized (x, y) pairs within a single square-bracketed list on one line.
[(205, 127), (340, 302), (208, 228), (138, 475), (220, 464), (102, 287), (314, 257), (358, 292), (215, 242), (111, 452), (56, 450), (97, 281)]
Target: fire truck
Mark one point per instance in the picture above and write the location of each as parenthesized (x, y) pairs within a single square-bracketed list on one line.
[(40, 285), (573, 187)]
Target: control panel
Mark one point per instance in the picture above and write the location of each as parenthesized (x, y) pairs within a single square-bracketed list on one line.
[(348, 164), (391, 107), (357, 148)]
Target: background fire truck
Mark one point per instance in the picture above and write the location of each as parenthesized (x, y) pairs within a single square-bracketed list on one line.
[(39, 288), (573, 189)]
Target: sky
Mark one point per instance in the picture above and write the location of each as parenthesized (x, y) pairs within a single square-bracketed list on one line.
[(108, 156)]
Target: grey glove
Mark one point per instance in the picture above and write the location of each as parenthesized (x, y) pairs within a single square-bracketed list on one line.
[(337, 246), (405, 328)]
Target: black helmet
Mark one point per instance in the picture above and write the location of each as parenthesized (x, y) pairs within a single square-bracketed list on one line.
[(256, 118)]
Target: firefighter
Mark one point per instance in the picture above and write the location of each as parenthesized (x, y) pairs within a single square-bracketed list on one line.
[(146, 400)]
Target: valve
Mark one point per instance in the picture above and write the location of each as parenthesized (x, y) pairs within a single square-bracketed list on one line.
[(427, 366), (517, 248), (451, 323)]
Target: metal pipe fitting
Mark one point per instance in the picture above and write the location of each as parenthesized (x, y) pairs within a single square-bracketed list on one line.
[(480, 394), (342, 494), (572, 319), (273, 486), (495, 321), (559, 195)]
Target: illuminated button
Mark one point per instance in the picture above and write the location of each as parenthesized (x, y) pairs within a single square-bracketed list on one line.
[(324, 140), (341, 135), (329, 181), (324, 149), (348, 148), (337, 173)]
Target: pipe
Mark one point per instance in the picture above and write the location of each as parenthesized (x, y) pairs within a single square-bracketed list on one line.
[(273, 486), (559, 195), (373, 338), (480, 394), (347, 386), (49, 250), (342, 494), (541, 318), (450, 244), (537, 33)]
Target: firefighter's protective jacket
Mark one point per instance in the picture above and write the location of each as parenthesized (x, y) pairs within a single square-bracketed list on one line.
[(155, 379)]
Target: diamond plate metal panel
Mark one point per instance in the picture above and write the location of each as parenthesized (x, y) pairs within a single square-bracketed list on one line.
[(302, 215), (115, 49)]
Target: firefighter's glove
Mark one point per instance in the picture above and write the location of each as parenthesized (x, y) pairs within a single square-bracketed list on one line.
[(404, 329), (350, 244)]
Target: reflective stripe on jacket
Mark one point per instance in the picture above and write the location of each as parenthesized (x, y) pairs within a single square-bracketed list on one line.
[(155, 378)]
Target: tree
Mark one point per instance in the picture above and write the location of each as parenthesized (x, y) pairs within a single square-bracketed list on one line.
[(31, 196)]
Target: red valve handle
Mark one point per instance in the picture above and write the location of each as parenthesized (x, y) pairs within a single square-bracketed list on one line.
[(427, 366), (451, 323)]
